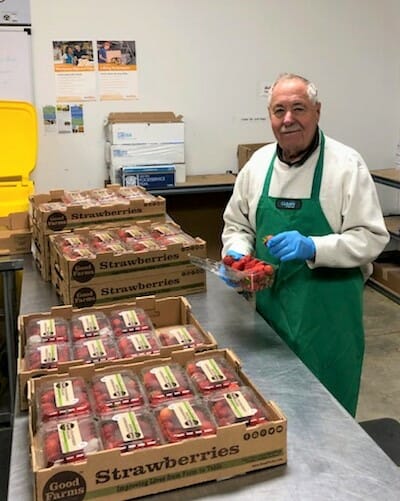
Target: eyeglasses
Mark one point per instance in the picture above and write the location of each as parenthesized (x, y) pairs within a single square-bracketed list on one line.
[(296, 110)]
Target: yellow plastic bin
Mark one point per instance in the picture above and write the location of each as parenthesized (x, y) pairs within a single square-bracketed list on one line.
[(18, 153)]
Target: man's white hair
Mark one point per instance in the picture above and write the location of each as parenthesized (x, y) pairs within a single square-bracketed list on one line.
[(312, 91)]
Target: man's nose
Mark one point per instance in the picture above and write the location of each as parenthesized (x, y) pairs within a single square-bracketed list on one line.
[(288, 117)]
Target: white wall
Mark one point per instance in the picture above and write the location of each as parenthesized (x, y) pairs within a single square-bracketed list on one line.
[(205, 59)]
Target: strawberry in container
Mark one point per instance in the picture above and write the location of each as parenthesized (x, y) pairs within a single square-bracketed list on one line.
[(101, 240), (103, 196), (143, 245), (250, 273), (117, 390), (76, 197), (212, 374), (138, 344), (158, 230), (126, 321), (166, 382), (97, 349), (75, 253), (68, 440), (52, 206), (66, 397), (46, 355), (184, 419), (90, 325), (132, 233), (235, 406), (129, 430), (178, 238), (47, 330), (186, 335), (136, 192), (70, 240)]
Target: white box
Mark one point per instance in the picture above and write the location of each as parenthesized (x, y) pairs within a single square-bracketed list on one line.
[(144, 154)]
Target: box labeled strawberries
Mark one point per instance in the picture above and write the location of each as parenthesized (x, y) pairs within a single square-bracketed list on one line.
[(130, 452)]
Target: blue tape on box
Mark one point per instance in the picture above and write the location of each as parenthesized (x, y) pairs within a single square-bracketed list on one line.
[(150, 177)]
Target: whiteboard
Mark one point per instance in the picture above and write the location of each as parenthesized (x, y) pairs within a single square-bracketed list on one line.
[(15, 65)]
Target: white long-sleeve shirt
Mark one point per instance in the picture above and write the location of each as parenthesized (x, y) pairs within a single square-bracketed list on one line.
[(348, 199)]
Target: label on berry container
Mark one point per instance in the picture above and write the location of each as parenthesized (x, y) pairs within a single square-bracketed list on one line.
[(211, 370), (185, 414), (89, 323), (116, 247), (83, 252), (115, 386), (165, 378), (47, 328), (140, 342), (70, 437), (64, 394), (129, 426), (104, 237), (130, 318), (48, 353), (73, 241), (95, 348), (182, 335), (239, 405)]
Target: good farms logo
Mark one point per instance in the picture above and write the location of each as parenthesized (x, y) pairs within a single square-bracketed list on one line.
[(66, 485)]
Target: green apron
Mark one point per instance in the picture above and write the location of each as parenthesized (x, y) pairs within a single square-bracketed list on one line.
[(318, 313)]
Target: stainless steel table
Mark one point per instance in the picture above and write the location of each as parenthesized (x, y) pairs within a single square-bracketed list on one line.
[(330, 457)]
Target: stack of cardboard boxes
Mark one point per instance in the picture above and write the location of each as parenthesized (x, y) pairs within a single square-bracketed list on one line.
[(145, 148)]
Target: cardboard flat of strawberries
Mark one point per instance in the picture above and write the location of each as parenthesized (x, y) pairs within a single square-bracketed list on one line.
[(248, 273)]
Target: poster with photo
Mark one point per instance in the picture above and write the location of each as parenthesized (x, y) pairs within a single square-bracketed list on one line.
[(117, 70), (74, 70)]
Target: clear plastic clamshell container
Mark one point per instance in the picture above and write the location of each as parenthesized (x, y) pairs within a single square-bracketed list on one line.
[(185, 335), (90, 325), (47, 330), (183, 239), (64, 397), (236, 406), (117, 390), (158, 230), (165, 382), (138, 344), (46, 355), (185, 418), (132, 233), (129, 320), (210, 374), (129, 429), (96, 349), (68, 440)]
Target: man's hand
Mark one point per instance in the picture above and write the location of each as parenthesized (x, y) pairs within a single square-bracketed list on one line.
[(230, 255), (290, 245)]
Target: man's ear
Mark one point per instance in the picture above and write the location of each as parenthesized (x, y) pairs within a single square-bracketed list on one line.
[(318, 110)]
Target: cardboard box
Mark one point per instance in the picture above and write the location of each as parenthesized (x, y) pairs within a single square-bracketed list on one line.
[(244, 152), (78, 216), (15, 234), (111, 267), (151, 177), (145, 127), (234, 450), (387, 270), (184, 279), (162, 311), (124, 155)]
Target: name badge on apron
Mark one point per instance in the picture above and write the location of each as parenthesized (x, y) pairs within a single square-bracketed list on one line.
[(288, 203)]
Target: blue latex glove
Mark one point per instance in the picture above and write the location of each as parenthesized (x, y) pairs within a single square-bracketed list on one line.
[(290, 245), (222, 269)]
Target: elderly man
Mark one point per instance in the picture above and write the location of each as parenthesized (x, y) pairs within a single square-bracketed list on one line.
[(308, 204)]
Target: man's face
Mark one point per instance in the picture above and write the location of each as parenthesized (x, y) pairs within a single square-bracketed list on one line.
[(294, 118)]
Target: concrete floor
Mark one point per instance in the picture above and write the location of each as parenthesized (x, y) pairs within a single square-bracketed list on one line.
[(380, 380)]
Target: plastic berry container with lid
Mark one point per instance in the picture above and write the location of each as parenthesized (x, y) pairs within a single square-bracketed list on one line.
[(129, 320), (132, 233), (117, 390), (96, 349), (183, 239), (158, 230), (70, 240), (236, 406), (165, 382), (76, 197), (211, 374), (90, 325), (47, 355), (75, 253), (68, 440), (143, 245), (64, 397), (99, 239), (47, 330), (185, 335), (138, 344), (185, 418), (129, 429)]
